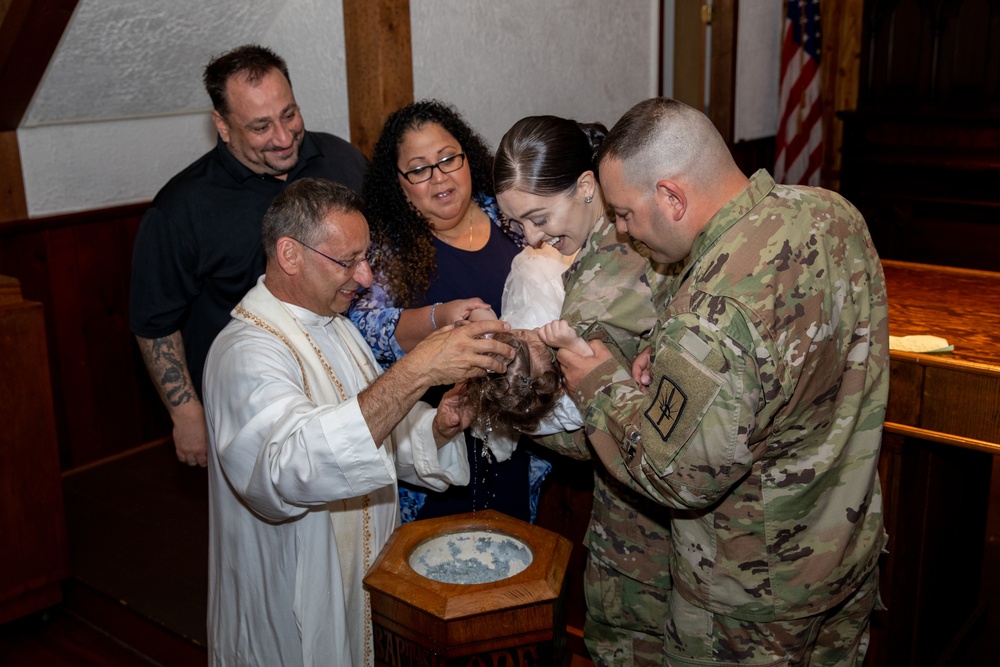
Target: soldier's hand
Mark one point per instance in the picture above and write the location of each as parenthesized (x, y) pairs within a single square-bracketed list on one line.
[(575, 367), (641, 370)]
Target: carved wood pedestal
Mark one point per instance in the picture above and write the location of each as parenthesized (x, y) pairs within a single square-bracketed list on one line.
[(515, 622)]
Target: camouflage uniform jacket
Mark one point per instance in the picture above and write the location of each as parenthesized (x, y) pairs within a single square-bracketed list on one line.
[(763, 422), (612, 292)]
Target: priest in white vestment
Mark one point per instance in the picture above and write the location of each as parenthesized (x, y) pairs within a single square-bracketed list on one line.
[(308, 438)]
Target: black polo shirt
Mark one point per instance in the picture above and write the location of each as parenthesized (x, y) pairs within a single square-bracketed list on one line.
[(198, 250)]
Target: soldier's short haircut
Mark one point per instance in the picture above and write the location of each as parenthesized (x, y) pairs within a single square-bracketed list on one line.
[(663, 138), (299, 212), (251, 61)]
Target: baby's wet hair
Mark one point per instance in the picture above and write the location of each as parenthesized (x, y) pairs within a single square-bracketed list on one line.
[(514, 402)]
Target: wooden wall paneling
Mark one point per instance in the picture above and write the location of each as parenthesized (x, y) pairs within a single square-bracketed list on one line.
[(947, 395), (946, 604), (926, 612), (897, 68), (78, 266), (929, 54), (905, 390), (564, 507), (966, 66), (926, 185), (379, 65), (13, 204), (103, 258), (74, 376), (23, 256), (34, 558), (893, 467)]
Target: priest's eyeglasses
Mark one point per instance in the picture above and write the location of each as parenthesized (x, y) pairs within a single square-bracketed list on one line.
[(424, 173), (371, 257)]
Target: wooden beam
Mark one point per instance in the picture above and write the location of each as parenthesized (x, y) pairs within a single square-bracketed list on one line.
[(29, 34), (13, 205), (689, 55), (722, 69), (840, 69), (379, 65)]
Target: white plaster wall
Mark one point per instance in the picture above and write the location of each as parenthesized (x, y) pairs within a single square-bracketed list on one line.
[(81, 166), (500, 61), (758, 55), (122, 108)]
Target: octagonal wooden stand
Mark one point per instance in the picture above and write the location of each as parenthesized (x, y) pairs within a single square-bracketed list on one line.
[(514, 622)]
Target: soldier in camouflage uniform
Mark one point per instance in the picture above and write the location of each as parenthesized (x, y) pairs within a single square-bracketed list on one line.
[(612, 293), (767, 387)]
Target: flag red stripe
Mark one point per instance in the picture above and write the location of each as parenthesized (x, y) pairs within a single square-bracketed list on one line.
[(799, 141), (798, 144)]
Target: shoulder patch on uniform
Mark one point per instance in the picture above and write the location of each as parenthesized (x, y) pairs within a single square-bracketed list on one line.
[(667, 407)]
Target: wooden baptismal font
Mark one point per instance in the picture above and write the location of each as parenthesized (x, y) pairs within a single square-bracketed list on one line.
[(472, 589)]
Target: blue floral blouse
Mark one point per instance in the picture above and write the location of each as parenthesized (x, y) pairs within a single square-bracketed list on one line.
[(374, 314)]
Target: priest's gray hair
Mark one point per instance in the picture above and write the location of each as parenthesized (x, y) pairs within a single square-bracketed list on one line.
[(300, 210), (662, 138)]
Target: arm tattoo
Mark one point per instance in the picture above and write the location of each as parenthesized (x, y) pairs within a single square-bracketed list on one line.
[(165, 360)]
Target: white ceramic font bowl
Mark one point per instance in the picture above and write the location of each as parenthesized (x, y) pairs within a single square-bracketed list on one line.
[(470, 557)]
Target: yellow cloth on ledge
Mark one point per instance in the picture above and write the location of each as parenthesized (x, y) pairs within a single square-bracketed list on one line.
[(925, 344)]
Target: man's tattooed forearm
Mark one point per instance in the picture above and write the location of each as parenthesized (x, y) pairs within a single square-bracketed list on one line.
[(169, 369)]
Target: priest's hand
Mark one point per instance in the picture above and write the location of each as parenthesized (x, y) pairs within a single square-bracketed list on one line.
[(445, 357), (454, 414), (456, 353)]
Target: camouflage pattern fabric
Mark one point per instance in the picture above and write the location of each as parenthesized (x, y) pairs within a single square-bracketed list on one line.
[(836, 638), (625, 618), (763, 422), (613, 292)]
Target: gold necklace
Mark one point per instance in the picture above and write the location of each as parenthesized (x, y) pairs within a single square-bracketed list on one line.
[(470, 225), (455, 237)]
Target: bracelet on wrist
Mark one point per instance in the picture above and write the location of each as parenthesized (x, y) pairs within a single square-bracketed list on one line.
[(434, 324)]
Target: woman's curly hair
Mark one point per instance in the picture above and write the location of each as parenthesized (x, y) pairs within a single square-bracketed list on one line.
[(397, 228), (514, 402)]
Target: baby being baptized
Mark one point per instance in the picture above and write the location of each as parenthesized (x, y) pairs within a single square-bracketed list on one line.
[(517, 401)]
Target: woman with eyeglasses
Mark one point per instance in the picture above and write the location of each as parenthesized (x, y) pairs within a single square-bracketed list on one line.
[(445, 252)]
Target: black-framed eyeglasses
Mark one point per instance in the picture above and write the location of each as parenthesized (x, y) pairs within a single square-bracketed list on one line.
[(370, 257), (423, 174)]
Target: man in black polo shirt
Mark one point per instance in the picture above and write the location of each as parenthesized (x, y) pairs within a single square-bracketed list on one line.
[(198, 250)]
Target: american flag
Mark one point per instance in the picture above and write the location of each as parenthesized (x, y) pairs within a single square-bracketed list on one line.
[(799, 145)]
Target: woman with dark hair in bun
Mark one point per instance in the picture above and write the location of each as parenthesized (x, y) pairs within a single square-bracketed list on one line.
[(545, 179)]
